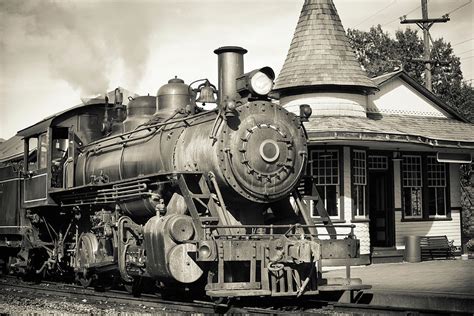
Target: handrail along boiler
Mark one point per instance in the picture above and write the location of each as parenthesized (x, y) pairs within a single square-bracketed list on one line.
[(164, 190)]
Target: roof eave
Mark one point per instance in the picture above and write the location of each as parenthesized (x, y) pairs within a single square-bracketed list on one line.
[(389, 138), (301, 89)]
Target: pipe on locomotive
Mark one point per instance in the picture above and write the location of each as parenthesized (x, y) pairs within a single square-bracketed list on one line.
[(230, 66)]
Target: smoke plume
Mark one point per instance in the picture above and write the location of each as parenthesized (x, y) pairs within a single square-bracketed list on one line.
[(88, 44)]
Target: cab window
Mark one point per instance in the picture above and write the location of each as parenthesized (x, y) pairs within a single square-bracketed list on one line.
[(32, 154), (43, 151), (38, 152), (59, 155)]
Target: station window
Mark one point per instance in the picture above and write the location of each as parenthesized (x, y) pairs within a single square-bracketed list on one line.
[(424, 182), (436, 187), (412, 186), (359, 170), (377, 163), (325, 173)]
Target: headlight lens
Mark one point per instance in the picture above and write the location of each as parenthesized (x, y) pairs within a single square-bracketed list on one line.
[(261, 83)]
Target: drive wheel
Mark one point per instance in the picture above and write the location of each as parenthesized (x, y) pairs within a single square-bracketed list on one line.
[(85, 257)]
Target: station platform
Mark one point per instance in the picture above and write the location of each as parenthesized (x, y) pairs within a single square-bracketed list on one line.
[(444, 285)]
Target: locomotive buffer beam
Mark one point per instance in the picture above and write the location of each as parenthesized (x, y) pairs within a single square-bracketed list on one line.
[(274, 260)]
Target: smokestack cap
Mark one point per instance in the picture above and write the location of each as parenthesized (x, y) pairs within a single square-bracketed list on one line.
[(230, 49)]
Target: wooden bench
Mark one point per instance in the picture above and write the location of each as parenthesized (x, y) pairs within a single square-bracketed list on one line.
[(433, 247)]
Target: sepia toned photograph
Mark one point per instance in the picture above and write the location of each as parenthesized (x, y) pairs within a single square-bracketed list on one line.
[(236, 157)]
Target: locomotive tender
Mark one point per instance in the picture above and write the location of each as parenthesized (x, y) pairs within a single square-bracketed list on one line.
[(164, 190)]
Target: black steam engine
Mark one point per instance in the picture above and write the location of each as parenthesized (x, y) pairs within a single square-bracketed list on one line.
[(160, 189)]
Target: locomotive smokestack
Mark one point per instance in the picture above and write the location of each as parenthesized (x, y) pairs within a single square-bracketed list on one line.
[(230, 66)]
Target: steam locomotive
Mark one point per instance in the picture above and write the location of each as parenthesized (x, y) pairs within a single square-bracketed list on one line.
[(160, 189)]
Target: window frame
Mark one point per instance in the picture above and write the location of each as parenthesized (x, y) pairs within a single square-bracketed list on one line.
[(419, 187), (33, 167), (370, 155), (339, 186), (425, 212), (43, 145), (356, 187), (446, 181)]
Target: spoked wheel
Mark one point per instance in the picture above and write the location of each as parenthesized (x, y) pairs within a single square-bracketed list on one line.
[(135, 287)]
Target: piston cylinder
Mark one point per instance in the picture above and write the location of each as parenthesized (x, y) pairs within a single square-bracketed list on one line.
[(167, 248)]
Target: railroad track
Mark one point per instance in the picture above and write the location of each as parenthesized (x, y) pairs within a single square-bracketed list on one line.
[(48, 289), (367, 309)]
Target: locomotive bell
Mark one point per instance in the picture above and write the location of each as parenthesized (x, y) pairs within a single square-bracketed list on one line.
[(206, 93)]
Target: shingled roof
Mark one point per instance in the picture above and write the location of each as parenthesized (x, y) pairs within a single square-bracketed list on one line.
[(431, 128), (320, 52)]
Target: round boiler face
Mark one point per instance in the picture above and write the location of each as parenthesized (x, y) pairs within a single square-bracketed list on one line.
[(264, 153)]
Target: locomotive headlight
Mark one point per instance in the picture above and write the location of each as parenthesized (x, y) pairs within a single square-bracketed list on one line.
[(258, 82), (261, 83)]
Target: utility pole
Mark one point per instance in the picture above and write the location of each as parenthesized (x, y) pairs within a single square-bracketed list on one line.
[(425, 24)]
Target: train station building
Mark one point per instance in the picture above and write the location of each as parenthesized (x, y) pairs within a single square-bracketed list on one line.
[(385, 152)]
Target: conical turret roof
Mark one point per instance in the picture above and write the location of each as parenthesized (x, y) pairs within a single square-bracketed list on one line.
[(320, 53)]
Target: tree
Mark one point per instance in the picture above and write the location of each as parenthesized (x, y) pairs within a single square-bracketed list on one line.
[(379, 53)]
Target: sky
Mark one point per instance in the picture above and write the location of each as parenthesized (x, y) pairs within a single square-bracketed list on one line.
[(53, 53)]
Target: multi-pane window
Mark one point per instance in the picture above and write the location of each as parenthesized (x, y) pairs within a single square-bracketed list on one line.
[(424, 188), (359, 169), (377, 162), (412, 186), (325, 172), (436, 187)]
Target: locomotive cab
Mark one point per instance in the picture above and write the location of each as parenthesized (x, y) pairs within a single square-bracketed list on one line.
[(51, 148), (45, 159), (36, 166)]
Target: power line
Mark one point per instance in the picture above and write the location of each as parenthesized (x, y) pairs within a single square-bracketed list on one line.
[(398, 18), (461, 6), (414, 10), (466, 51), (384, 8), (459, 43), (464, 58)]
